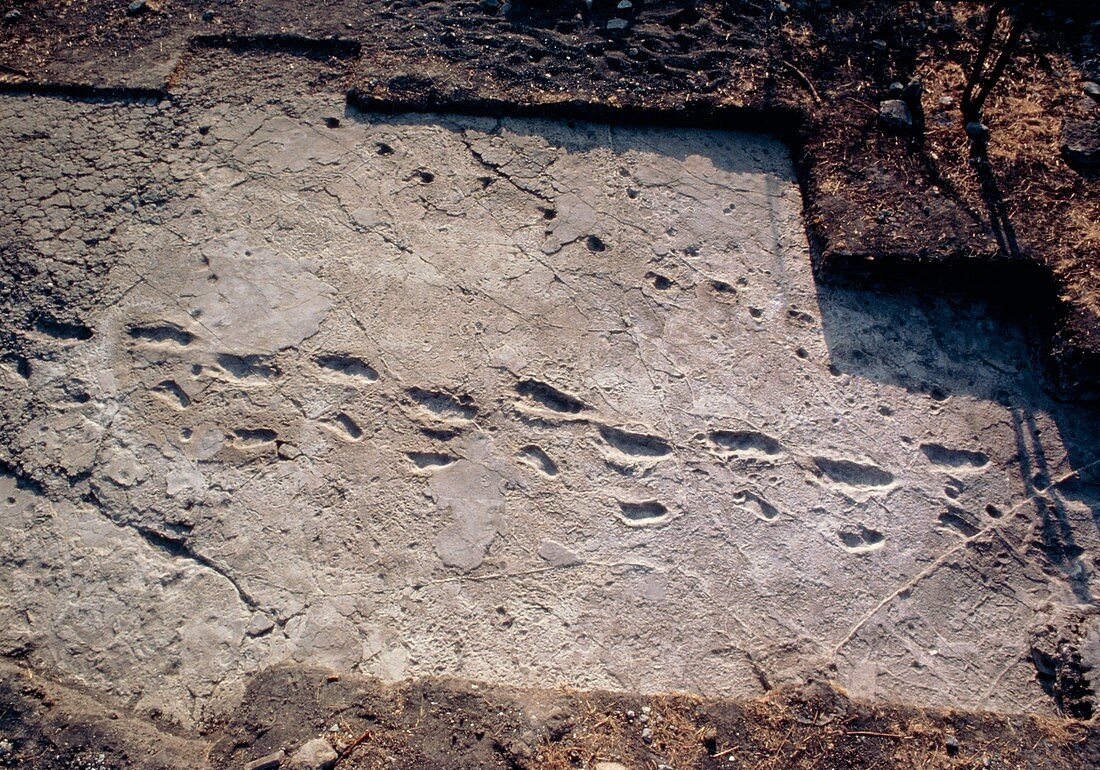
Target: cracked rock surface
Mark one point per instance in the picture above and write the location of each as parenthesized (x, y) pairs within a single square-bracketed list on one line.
[(512, 400)]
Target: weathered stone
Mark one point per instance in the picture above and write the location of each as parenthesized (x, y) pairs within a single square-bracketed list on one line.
[(316, 754), (894, 114), (268, 762), (1081, 141)]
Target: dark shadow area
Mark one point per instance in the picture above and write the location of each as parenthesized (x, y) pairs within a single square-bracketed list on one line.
[(953, 336)]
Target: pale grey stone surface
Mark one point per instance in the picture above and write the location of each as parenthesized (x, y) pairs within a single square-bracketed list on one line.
[(505, 400)]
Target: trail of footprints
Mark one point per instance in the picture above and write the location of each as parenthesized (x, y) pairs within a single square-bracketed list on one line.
[(441, 416)]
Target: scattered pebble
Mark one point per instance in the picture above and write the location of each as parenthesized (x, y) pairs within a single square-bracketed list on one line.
[(647, 735), (1092, 89), (952, 744), (625, 5), (316, 754), (270, 762), (617, 24), (12, 16), (946, 101), (208, 16), (6, 748), (895, 115), (137, 7)]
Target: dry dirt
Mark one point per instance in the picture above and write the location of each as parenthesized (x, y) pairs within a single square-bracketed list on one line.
[(293, 379)]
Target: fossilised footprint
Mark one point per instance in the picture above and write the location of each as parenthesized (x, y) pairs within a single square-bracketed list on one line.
[(961, 459), (244, 368), (861, 540), (853, 474), (644, 513), (347, 366), (535, 457), (745, 443), (546, 397), (444, 406), (635, 444), (759, 507), (160, 334), (431, 460)]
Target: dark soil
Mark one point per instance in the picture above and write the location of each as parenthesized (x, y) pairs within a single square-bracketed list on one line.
[(456, 724)]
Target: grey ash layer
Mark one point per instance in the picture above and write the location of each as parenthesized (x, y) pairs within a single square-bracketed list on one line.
[(508, 400)]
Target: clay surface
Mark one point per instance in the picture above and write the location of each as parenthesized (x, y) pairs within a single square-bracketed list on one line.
[(514, 400)]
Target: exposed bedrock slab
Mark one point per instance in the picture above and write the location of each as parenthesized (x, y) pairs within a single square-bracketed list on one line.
[(510, 400)]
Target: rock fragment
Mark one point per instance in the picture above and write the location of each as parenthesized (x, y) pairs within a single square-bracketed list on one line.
[(269, 762), (1081, 142), (894, 114), (316, 754)]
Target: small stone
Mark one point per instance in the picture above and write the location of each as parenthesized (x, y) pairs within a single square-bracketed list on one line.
[(647, 736), (952, 744), (137, 7), (946, 102), (978, 132), (617, 24), (270, 762), (609, 766), (895, 115), (208, 16), (6, 748), (896, 88), (913, 91), (12, 16), (625, 5), (782, 8), (259, 625), (316, 754), (1092, 89), (1081, 142)]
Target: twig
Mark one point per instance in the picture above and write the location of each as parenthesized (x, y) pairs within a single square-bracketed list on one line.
[(805, 80), (873, 734), (351, 746)]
